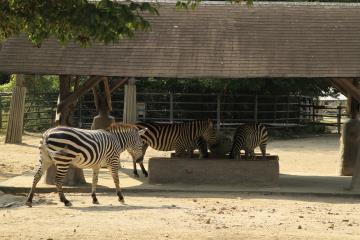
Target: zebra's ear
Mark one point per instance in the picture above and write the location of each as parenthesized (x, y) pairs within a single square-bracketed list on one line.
[(142, 131)]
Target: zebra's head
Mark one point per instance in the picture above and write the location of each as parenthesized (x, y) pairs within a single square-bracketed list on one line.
[(135, 149), (210, 133), (130, 135)]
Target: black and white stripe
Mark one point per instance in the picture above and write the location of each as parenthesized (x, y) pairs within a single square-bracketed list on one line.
[(65, 146), (181, 137), (248, 137)]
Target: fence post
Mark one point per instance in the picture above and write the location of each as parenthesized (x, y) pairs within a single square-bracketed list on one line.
[(313, 112), (339, 119), (256, 108), (275, 109), (171, 107), (218, 112), (287, 109)]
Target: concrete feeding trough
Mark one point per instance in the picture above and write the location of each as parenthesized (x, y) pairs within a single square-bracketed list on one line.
[(219, 171)]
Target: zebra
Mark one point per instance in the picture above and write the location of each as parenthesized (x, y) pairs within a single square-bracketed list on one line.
[(181, 137), (247, 137), (65, 146)]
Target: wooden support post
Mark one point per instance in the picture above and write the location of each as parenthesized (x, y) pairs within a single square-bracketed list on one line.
[(1, 111), (130, 111), (351, 141), (16, 115)]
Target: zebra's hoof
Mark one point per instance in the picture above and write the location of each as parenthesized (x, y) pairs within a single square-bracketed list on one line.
[(96, 202), (68, 203), (122, 200), (146, 174), (29, 204), (136, 175)]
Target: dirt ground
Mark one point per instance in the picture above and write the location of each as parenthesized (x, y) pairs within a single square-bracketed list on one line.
[(185, 215)]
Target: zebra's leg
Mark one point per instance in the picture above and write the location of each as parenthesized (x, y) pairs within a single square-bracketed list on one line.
[(180, 151), (252, 155), (94, 184), (114, 168), (135, 169), (143, 169), (203, 148), (144, 148), (237, 155), (247, 154), (61, 171), (43, 166), (263, 151)]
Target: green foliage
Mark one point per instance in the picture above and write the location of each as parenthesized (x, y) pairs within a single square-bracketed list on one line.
[(73, 20), (42, 84), (34, 84), (80, 21), (7, 87), (4, 78), (309, 87)]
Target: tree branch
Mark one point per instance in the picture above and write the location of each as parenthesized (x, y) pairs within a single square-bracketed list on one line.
[(80, 91)]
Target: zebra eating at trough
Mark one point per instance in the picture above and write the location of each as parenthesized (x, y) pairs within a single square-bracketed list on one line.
[(65, 146), (181, 137), (247, 137)]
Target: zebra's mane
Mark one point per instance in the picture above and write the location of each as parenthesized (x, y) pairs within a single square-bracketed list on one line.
[(121, 127)]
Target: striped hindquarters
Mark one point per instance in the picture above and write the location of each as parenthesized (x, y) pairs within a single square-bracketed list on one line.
[(168, 137), (81, 148), (249, 136)]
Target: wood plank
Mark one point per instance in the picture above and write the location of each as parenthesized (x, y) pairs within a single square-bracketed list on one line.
[(349, 87)]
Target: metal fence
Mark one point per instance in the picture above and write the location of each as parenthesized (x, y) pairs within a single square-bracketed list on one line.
[(226, 110)]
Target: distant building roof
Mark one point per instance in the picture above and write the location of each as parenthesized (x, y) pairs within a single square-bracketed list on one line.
[(216, 40)]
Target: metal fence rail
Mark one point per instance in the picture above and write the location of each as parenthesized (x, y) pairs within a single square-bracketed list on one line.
[(226, 110)]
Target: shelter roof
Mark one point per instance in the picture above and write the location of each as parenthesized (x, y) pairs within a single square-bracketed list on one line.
[(216, 40)]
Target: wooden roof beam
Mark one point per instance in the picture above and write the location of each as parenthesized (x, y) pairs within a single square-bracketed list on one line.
[(338, 87), (348, 86), (80, 91), (118, 84)]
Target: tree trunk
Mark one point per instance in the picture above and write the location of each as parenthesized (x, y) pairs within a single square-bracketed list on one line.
[(102, 98), (75, 176), (16, 116)]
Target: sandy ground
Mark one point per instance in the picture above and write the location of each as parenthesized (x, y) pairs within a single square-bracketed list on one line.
[(185, 216)]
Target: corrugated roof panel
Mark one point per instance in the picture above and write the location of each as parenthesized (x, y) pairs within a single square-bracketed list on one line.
[(215, 40)]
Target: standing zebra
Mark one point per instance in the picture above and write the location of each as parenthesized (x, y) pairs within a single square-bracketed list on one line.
[(180, 137), (65, 146), (247, 137)]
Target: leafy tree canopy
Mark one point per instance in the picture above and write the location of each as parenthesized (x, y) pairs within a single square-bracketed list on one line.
[(34, 84), (80, 21)]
